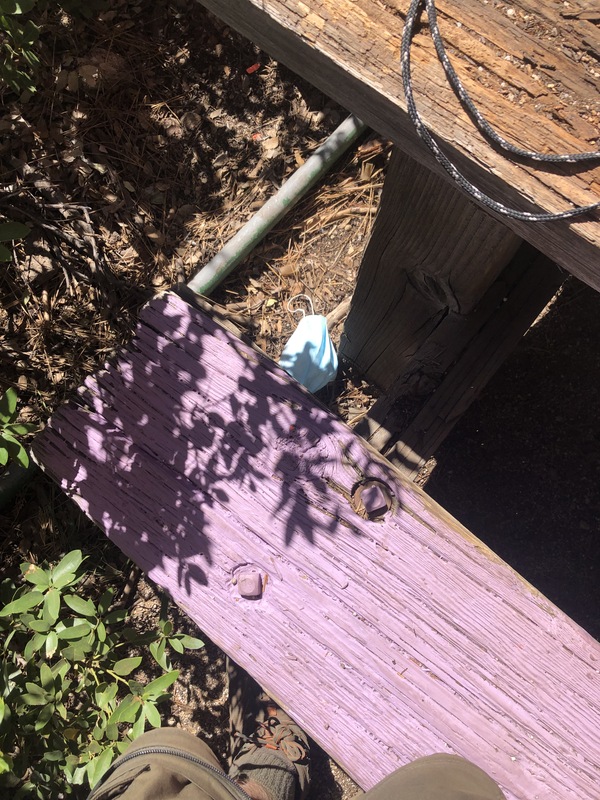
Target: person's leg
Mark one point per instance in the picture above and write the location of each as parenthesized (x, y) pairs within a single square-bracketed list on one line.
[(179, 740), (270, 754), (437, 777), (165, 764)]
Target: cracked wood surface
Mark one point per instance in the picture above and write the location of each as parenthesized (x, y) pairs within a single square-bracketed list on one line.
[(531, 67), (387, 640)]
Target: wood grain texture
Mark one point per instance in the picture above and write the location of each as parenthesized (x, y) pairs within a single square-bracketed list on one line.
[(432, 253), (387, 640), (456, 363), (529, 285), (532, 86)]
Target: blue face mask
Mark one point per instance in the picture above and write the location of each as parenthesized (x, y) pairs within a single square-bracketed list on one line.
[(309, 355)]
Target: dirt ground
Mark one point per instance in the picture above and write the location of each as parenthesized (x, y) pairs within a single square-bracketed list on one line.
[(155, 134)]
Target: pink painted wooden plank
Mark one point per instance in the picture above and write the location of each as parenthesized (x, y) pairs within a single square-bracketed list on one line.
[(387, 639)]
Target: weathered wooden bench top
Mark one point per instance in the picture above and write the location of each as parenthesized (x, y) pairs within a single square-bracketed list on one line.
[(390, 638), (531, 66)]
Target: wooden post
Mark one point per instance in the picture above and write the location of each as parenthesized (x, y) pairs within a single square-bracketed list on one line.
[(432, 252), (448, 372)]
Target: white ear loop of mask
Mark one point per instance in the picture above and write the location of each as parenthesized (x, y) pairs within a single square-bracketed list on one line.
[(300, 310)]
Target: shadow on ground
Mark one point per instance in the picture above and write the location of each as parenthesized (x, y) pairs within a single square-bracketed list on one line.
[(522, 468)]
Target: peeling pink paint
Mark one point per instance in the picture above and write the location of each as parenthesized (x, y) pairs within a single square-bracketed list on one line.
[(387, 639)]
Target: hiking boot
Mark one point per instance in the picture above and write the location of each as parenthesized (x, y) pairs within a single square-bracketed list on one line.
[(266, 745)]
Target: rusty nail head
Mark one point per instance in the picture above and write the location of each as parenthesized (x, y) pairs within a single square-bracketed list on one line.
[(250, 583)]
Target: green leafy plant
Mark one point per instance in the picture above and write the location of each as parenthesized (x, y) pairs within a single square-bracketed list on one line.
[(11, 448), (10, 232), (165, 638), (19, 62), (20, 35), (70, 699)]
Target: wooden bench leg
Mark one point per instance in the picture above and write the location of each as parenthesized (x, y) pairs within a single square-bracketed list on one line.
[(432, 252), (444, 293), (451, 368)]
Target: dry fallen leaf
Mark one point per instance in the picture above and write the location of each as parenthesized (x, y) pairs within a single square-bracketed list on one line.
[(89, 74)]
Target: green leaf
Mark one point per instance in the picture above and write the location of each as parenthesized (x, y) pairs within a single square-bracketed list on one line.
[(158, 653), (6, 763), (53, 755), (22, 457), (35, 695), (17, 6), (20, 428), (44, 718), (98, 766), (98, 732), (80, 606), (139, 726), (79, 775), (190, 642), (176, 645), (30, 33), (5, 253), (118, 615), (68, 565), (159, 685), (101, 632), (135, 687), (24, 603), (75, 631), (112, 732), (126, 665), (166, 626), (16, 451), (51, 644), (8, 639), (103, 649), (126, 711), (36, 575), (105, 695), (33, 699), (33, 645), (3, 451), (38, 625), (60, 669), (46, 677), (51, 606), (68, 579), (8, 405), (152, 714), (77, 651), (35, 689), (105, 602), (9, 231)]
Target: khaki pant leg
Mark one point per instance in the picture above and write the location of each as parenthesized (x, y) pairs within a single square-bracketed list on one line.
[(437, 777), (160, 776), (180, 740)]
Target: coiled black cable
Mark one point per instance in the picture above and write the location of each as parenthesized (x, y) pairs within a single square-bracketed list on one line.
[(482, 124)]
